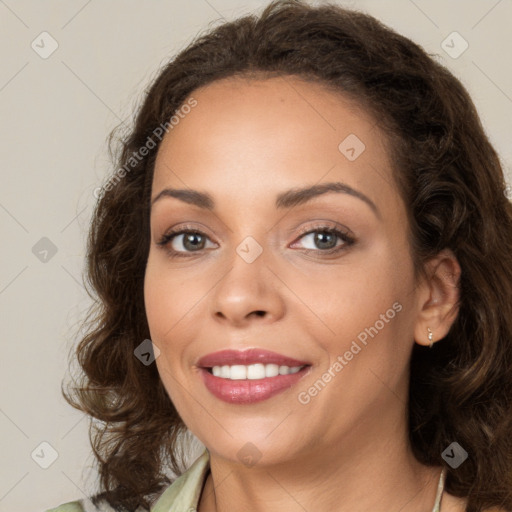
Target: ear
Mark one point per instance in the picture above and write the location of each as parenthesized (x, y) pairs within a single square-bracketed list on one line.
[(439, 298)]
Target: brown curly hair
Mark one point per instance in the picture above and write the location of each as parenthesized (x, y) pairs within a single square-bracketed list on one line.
[(453, 185)]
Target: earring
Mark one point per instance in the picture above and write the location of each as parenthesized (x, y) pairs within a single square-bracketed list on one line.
[(430, 336)]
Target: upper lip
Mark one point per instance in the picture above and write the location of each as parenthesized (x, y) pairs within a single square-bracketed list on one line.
[(248, 356)]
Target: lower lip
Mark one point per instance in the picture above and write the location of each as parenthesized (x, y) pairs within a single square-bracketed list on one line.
[(249, 391)]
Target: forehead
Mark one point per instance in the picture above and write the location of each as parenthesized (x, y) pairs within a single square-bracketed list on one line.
[(263, 135)]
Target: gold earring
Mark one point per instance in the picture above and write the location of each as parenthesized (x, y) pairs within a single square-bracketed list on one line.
[(430, 336)]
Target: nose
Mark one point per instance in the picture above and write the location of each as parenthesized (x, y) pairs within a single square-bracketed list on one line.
[(247, 293)]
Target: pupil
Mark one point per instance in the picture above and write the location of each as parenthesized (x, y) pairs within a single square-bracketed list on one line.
[(321, 239), (192, 239)]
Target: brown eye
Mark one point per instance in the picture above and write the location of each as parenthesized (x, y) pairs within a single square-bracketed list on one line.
[(184, 241), (192, 241)]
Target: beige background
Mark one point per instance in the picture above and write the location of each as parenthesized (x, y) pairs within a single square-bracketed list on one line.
[(56, 115)]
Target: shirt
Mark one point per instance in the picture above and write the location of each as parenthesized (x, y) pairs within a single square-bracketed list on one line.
[(184, 493), (181, 496)]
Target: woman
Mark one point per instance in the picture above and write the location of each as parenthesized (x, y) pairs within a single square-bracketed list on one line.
[(311, 226)]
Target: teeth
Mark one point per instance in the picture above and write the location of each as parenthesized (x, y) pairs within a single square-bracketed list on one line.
[(252, 371)]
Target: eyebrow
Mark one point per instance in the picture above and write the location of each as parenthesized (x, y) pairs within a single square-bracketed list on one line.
[(288, 199)]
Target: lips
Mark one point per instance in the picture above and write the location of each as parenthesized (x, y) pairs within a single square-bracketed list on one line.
[(247, 390), (246, 357)]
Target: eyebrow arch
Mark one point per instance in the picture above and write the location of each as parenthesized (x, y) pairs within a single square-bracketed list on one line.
[(200, 199), (287, 199), (298, 196)]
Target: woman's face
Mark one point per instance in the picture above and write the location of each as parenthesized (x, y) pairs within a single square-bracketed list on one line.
[(306, 277)]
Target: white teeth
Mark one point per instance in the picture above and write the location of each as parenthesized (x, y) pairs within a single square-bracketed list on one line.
[(238, 372), (253, 371), (271, 370)]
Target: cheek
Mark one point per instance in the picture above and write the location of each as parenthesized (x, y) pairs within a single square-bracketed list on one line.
[(365, 310), (175, 310), (164, 302), (167, 294), (349, 298), (157, 298), (164, 299)]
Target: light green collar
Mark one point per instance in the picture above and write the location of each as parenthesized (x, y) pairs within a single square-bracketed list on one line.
[(183, 494)]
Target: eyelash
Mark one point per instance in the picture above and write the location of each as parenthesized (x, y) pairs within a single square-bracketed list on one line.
[(342, 235)]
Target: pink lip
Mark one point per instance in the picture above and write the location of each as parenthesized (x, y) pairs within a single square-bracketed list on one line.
[(248, 356), (248, 391)]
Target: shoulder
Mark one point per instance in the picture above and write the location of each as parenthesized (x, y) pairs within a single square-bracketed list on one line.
[(183, 492)]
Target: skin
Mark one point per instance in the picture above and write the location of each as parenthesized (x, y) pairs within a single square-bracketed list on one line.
[(347, 449)]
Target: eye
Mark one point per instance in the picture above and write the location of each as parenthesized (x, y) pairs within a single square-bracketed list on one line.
[(326, 239), (183, 241)]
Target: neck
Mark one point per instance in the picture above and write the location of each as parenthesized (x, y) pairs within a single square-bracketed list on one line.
[(368, 470)]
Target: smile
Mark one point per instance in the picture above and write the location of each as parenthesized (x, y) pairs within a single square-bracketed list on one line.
[(253, 371), (249, 376)]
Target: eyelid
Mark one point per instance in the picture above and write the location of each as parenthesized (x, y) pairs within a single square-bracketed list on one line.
[(344, 234), (341, 231), (326, 224), (180, 228)]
